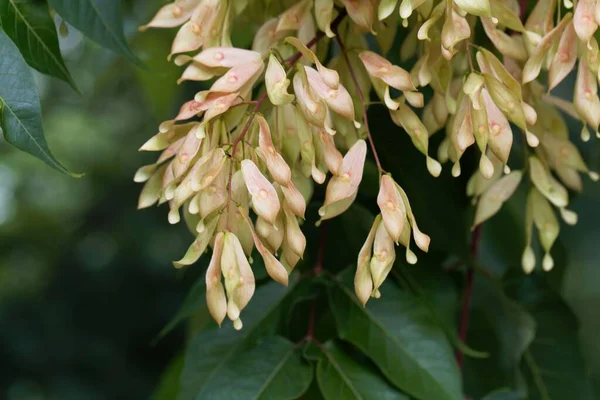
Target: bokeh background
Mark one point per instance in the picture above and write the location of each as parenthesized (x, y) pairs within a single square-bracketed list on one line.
[(86, 282)]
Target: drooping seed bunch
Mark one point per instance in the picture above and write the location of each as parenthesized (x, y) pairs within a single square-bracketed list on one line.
[(227, 152)]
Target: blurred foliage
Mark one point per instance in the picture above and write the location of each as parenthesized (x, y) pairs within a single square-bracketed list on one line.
[(86, 282)]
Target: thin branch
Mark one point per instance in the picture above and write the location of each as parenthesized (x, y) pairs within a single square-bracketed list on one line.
[(361, 97)]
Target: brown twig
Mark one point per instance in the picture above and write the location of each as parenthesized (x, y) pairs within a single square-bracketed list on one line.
[(361, 97)]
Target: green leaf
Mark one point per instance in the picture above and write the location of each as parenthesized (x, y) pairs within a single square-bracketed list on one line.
[(434, 286), (29, 25), (272, 370), (499, 255), (21, 112), (399, 334), (168, 386), (345, 236), (436, 290), (99, 20), (553, 364), (311, 352), (445, 221), (341, 377), (210, 352), (369, 185), (505, 330), (502, 394), (194, 302), (580, 285), (294, 323)]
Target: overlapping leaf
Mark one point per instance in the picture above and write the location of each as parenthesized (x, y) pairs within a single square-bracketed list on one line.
[(399, 334), (341, 377), (502, 328), (553, 364), (502, 394), (580, 285), (99, 20), (168, 386), (444, 221), (272, 370), (211, 352), (21, 112), (29, 25)]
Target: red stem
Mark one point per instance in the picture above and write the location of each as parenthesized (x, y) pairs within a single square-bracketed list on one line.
[(465, 312), (523, 7)]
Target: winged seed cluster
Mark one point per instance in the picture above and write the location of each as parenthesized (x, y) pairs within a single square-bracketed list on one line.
[(227, 152)]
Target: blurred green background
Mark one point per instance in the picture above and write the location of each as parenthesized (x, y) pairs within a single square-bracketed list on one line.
[(86, 282)]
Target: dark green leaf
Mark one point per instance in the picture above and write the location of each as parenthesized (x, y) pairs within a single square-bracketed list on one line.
[(553, 365), (466, 350), (502, 394), (272, 370), (440, 205), (210, 351), (345, 236), (433, 285), (399, 334), (194, 301), (99, 20), (313, 392), (500, 255), (580, 285), (168, 387), (21, 112), (311, 352), (436, 290), (369, 185), (341, 377), (294, 324), (28, 24), (501, 327)]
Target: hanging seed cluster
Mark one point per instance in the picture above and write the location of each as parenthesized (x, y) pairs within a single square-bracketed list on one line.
[(280, 117)]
